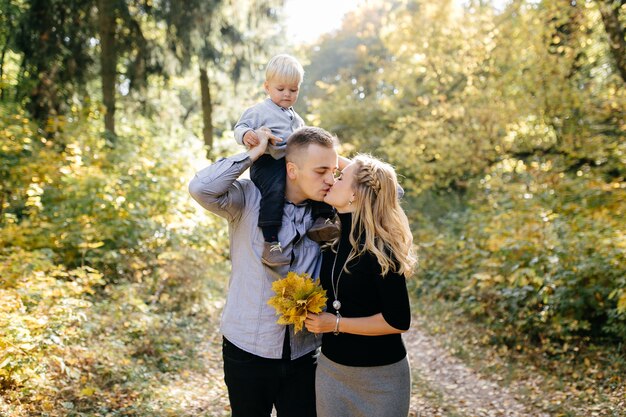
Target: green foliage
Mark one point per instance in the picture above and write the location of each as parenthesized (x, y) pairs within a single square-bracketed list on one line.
[(101, 248), (509, 128), (217, 34), (66, 351), (537, 253), (114, 209), (104, 257), (52, 38), (42, 307)]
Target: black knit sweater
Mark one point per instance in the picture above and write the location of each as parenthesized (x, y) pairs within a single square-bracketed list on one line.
[(364, 292)]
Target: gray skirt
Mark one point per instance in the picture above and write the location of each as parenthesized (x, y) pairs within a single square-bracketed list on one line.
[(351, 391)]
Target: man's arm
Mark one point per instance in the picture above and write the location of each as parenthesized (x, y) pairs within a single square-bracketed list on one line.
[(215, 187)]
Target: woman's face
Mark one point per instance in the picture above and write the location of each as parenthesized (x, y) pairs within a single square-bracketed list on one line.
[(341, 193)]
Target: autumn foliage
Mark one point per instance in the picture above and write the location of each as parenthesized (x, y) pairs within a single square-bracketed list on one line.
[(297, 295), (506, 122), (509, 128)]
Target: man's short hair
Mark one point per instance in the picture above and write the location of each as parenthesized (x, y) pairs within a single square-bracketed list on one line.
[(308, 135), (284, 68)]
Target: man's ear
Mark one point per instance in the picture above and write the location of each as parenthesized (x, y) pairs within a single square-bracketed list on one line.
[(292, 170)]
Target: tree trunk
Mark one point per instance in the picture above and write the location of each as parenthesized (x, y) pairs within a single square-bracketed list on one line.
[(207, 111), (4, 51), (108, 60), (616, 32)]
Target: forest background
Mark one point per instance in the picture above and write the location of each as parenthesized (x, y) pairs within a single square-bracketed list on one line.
[(505, 121)]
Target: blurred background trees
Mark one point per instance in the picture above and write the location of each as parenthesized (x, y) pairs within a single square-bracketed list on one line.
[(506, 121), (509, 124), (101, 107)]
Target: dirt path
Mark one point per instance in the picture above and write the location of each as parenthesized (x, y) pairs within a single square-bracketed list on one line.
[(442, 384)]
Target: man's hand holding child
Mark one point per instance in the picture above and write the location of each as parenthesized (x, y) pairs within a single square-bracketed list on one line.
[(251, 138)]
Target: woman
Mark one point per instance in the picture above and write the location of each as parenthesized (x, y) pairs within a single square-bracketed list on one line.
[(363, 369)]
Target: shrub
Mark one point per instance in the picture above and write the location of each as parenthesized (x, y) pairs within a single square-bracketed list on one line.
[(42, 306), (537, 252)]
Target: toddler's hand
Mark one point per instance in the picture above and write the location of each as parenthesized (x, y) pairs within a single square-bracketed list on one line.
[(250, 139)]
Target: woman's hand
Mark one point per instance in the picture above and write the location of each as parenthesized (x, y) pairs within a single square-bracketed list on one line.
[(320, 323)]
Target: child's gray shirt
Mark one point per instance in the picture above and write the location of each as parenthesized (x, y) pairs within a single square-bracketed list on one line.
[(282, 122)]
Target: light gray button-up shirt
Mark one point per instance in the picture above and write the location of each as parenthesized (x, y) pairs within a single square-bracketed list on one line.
[(247, 320)]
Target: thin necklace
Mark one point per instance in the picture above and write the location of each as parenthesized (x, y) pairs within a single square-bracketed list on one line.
[(335, 286)]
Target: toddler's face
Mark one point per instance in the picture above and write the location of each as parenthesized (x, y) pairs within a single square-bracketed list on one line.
[(282, 93)]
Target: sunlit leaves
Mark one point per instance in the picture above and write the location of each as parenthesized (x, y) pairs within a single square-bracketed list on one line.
[(297, 295), (517, 113), (543, 252), (621, 303), (42, 305)]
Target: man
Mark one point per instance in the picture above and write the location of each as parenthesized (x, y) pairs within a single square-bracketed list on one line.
[(265, 364)]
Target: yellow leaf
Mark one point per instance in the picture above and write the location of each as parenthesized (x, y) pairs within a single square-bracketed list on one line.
[(47, 405), (87, 391)]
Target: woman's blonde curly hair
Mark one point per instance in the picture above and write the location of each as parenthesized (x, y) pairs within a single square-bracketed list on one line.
[(379, 220)]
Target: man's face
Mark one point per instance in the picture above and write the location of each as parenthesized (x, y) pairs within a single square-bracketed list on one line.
[(312, 172)]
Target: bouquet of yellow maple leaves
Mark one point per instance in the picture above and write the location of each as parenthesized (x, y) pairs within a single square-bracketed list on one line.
[(296, 295)]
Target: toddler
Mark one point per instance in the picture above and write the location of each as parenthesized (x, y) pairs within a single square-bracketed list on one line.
[(283, 77)]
